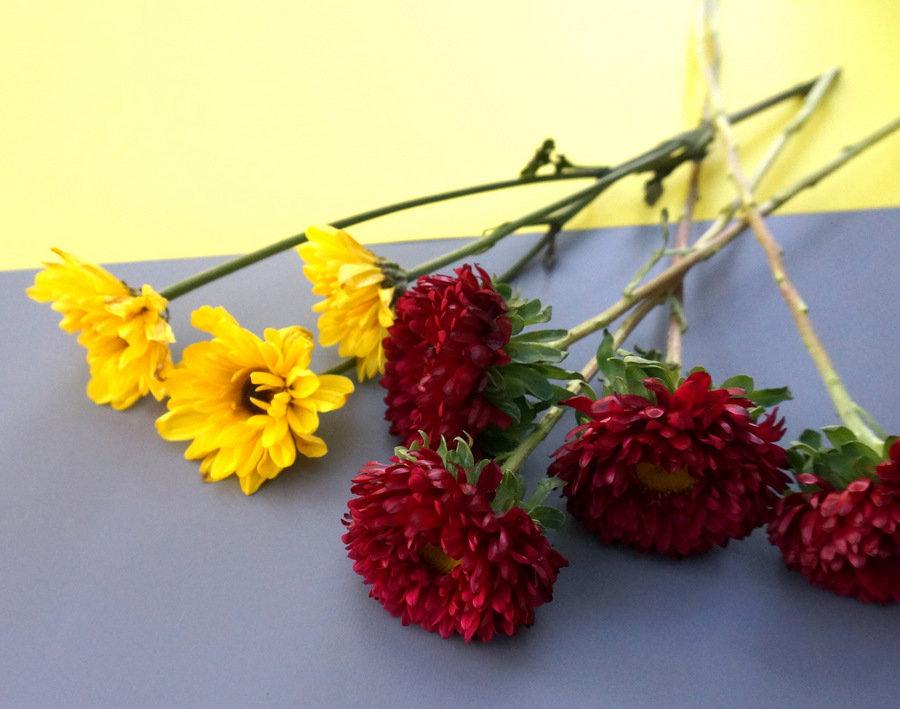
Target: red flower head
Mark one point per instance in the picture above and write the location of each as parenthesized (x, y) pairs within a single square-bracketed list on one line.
[(447, 332), (438, 555), (679, 474), (845, 540)]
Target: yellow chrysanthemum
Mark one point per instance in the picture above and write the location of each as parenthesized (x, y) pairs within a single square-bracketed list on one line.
[(124, 332), (248, 405), (356, 311)]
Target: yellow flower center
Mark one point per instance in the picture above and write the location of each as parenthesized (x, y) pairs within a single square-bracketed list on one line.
[(655, 479), (260, 393), (437, 559)]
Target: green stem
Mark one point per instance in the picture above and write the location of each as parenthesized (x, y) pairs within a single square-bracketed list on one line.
[(343, 366), (188, 284), (525, 259), (485, 242), (717, 237), (664, 157)]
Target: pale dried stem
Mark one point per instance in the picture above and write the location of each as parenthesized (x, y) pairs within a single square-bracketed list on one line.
[(682, 240), (847, 410), (811, 102), (715, 238)]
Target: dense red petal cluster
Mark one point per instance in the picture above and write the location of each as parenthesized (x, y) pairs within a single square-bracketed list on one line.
[(678, 475), (846, 541), (437, 555), (447, 332)]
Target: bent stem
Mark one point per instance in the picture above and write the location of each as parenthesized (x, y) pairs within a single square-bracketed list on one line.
[(848, 411)]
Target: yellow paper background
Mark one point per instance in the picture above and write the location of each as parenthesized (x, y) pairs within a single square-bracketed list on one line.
[(151, 130)]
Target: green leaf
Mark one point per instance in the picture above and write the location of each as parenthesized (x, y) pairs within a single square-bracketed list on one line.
[(475, 473), (540, 336), (509, 492), (839, 435), (561, 394), (634, 378), (613, 369), (811, 438), (529, 352), (517, 323), (533, 381), (503, 289), (769, 397), (552, 372), (509, 406), (464, 454), (529, 309), (739, 381), (504, 384), (799, 461), (550, 519), (855, 449), (587, 390), (543, 488), (442, 448), (402, 452), (606, 350)]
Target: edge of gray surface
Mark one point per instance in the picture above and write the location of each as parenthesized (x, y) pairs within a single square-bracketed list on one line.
[(126, 581)]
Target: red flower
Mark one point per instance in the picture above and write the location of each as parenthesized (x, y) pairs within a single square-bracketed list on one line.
[(678, 475), (447, 332), (438, 555), (845, 541)]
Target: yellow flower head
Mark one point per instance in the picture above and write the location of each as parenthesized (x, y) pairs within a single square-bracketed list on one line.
[(125, 333), (356, 311), (248, 405)]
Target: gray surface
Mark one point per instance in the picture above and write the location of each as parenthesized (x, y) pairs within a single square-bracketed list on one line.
[(125, 581)]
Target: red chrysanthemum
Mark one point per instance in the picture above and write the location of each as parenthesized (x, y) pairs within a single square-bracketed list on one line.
[(846, 541), (678, 475), (438, 555), (447, 332)]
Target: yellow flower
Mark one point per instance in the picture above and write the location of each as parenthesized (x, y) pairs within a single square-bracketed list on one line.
[(125, 333), (356, 311), (248, 405)]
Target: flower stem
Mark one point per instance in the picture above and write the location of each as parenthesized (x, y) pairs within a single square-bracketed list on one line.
[(525, 259), (661, 160), (538, 216), (188, 284), (343, 366), (847, 409), (526, 447), (666, 154), (811, 102), (717, 236), (676, 326)]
